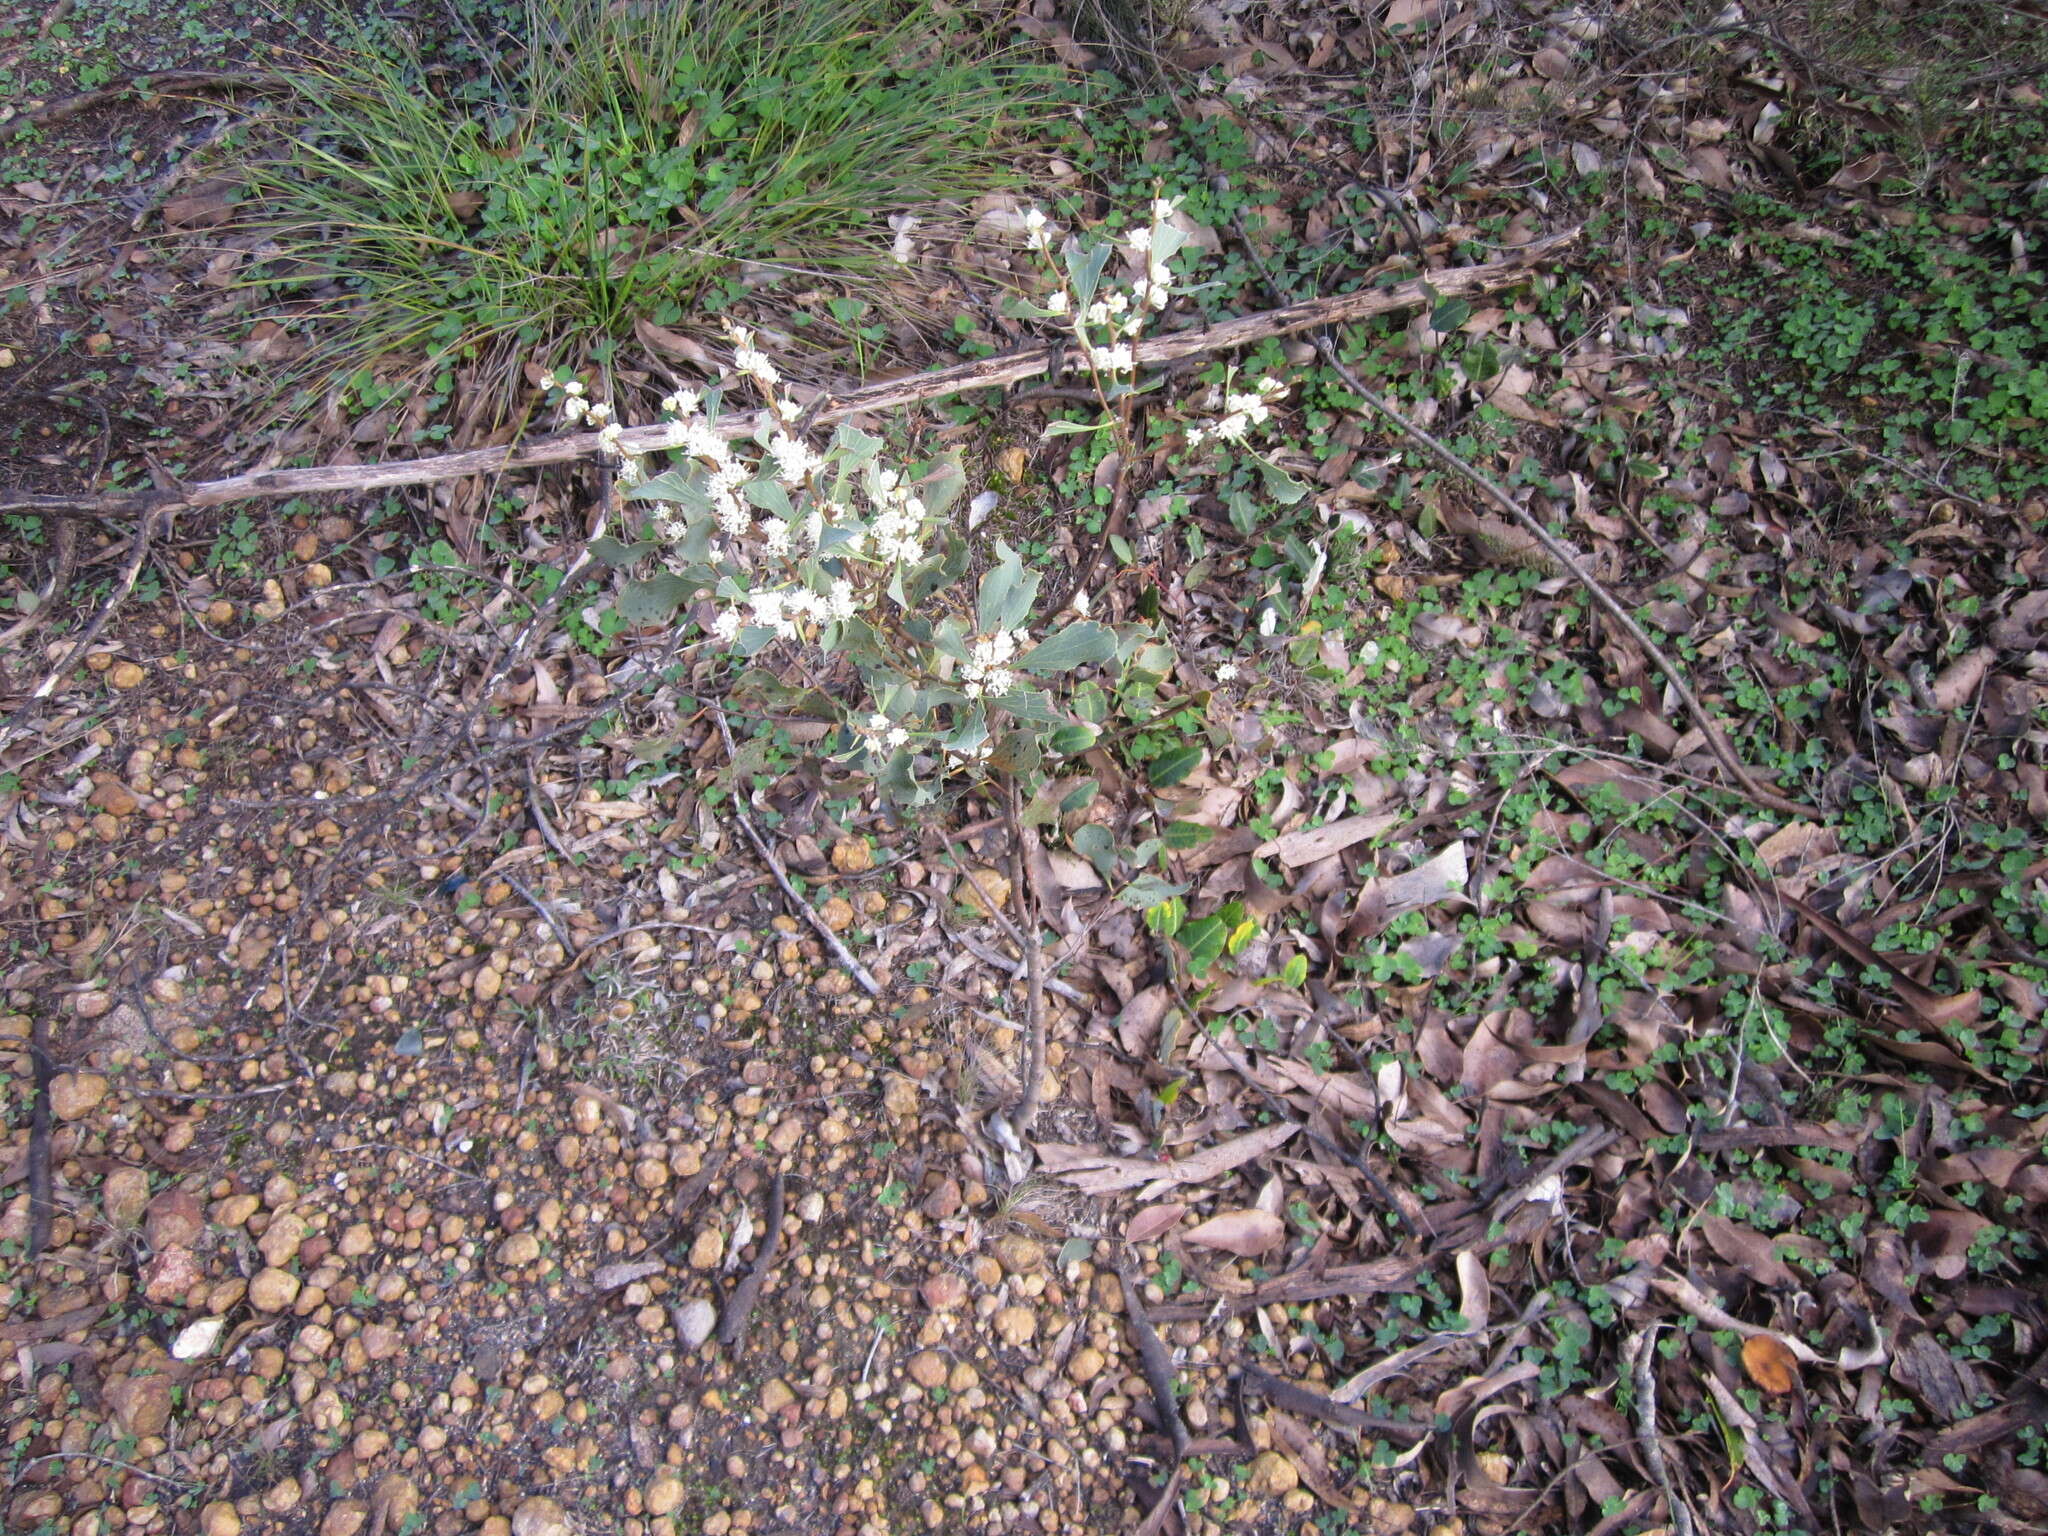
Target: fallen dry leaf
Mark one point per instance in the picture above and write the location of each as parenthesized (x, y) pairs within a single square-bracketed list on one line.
[(1247, 1233), (1770, 1363)]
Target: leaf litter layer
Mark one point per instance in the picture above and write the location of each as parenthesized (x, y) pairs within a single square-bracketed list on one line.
[(1536, 1133)]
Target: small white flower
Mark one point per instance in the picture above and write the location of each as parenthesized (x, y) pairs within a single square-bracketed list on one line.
[(632, 470), (610, 433), (1164, 208), (1034, 219), (795, 460), (573, 388), (841, 604), (600, 413), (788, 410), (1139, 240), (726, 627), (574, 409), (547, 380), (775, 536), (898, 736), (1115, 302), (683, 402), (1227, 672), (1080, 603), (1056, 303)]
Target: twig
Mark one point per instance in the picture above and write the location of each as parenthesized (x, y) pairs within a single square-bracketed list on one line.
[(1679, 1515), (985, 373), (740, 1306), (1016, 968), (40, 1207), (1296, 1398), (161, 84), (1026, 1109), (138, 556), (1558, 550), (568, 939), (547, 831), (1153, 1360), (839, 951)]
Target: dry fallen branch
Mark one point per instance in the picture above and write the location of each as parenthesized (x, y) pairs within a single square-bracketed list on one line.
[(889, 394)]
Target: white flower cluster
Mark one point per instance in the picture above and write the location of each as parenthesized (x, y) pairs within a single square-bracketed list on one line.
[(578, 409), (1110, 322), (987, 673), (750, 360), (881, 734), (1242, 410)]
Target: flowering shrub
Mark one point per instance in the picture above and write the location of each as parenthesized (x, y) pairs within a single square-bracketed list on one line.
[(831, 557)]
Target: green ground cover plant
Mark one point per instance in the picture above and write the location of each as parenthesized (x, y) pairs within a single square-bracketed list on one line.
[(619, 167)]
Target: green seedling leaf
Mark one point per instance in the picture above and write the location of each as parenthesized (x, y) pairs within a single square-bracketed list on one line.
[(1449, 314), (1075, 428), (1180, 835)]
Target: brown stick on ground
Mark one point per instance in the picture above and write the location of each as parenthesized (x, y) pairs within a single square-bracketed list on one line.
[(740, 1306), (889, 394), (1153, 1361)]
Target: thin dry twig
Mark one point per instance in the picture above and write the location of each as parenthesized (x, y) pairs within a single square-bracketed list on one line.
[(1153, 1360), (740, 1305), (890, 394), (804, 909), (40, 1207), (1296, 1398), (1653, 1446)]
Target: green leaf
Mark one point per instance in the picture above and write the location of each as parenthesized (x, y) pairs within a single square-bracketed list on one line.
[(1007, 593), (1449, 314), (1203, 940), (1075, 428), (1173, 765), (684, 486), (1149, 891), (1079, 644), (1029, 704), (1165, 918), (856, 445), (1280, 485), (1295, 973), (1078, 799), (940, 482), (769, 496), (936, 573), (1070, 739), (1089, 703), (1094, 844), (655, 599), (617, 555), (1084, 272), (1180, 835)]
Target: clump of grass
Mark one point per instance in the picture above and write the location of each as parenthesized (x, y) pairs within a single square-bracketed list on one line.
[(621, 168)]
